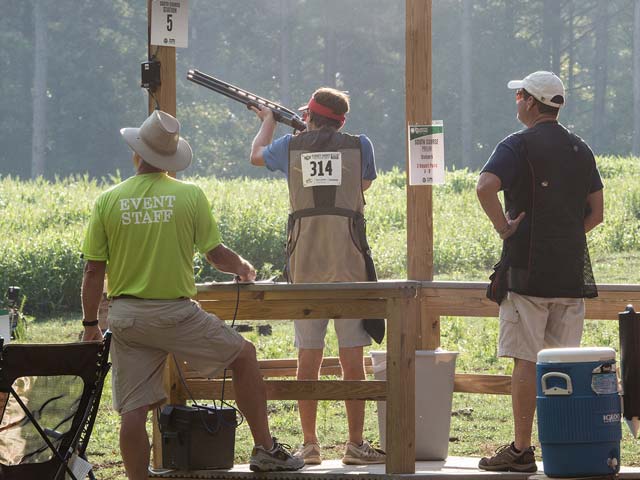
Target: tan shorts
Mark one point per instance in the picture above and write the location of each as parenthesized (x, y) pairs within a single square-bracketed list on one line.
[(311, 333), (145, 331), (529, 324)]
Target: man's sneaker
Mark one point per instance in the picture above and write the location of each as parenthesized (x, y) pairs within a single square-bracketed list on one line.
[(507, 459), (274, 460), (310, 453), (363, 454)]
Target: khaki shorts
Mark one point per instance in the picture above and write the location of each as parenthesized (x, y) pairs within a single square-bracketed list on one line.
[(350, 332), (530, 324), (145, 331)]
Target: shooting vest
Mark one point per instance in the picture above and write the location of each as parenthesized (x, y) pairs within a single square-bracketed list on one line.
[(548, 255), (326, 239)]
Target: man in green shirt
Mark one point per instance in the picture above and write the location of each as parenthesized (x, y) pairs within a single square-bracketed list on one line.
[(146, 229)]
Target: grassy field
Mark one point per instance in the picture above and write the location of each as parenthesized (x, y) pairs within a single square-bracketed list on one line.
[(42, 225), (43, 222)]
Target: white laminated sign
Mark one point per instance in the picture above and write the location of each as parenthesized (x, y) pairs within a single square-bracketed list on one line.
[(170, 23), (426, 154), (321, 169)]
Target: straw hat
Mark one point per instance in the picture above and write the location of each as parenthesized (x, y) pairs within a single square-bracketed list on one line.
[(159, 143)]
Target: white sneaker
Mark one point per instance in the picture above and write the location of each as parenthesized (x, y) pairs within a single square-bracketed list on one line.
[(278, 459), (363, 454), (310, 453)]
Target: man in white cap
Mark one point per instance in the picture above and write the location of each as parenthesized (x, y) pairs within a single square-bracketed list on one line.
[(147, 229), (553, 196)]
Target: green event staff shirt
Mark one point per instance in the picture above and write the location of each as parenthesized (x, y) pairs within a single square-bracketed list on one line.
[(146, 229)]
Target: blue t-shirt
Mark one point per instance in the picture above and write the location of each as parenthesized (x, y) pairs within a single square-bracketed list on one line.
[(506, 163), (276, 156)]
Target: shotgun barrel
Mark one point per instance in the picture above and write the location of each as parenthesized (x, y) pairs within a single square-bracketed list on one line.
[(280, 113)]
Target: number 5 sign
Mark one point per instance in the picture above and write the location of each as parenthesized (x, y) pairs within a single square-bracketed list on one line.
[(170, 23)]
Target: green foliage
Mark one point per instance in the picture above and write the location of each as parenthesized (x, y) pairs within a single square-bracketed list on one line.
[(43, 224), (93, 84), (618, 167), (20, 332)]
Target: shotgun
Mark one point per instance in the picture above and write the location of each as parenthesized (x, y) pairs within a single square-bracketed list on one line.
[(280, 113)]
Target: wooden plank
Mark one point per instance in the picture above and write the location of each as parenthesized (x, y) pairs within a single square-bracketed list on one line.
[(400, 419), (248, 292), (464, 382), (611, 300), (469, 300), (297, 309), (379, 289), (203, 389), (475, 383), (287, 367), (429, 329)]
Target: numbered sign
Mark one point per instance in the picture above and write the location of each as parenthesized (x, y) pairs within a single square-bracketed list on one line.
[(321, 168), (170, 23), (426, 154)]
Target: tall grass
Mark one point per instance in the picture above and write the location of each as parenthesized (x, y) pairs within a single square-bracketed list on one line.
[(42, 225)]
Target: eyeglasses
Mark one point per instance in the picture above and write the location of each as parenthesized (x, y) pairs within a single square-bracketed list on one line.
[(519, 94)]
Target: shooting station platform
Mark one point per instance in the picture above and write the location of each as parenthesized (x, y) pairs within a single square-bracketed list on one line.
[(460, 467), (408, 307)]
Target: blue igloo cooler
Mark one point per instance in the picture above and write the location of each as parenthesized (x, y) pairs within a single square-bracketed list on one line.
[(579, 411)]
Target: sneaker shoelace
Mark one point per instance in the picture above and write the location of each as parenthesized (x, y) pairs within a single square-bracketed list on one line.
[(280, 446), (503, 448)]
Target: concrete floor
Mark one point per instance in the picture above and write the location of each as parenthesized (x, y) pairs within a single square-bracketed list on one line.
[(452, 468)]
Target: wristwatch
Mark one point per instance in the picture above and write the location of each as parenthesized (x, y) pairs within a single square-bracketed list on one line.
[(89, 323)]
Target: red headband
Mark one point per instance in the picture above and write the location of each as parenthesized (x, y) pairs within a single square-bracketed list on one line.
[(320, 109)]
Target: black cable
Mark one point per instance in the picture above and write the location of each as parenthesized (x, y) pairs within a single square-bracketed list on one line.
[(224, 378), (154, 99), (149, 90), (153, 55), (233, 323)]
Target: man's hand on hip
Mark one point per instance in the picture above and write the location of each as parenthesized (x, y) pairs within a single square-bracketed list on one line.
[(511, 227)]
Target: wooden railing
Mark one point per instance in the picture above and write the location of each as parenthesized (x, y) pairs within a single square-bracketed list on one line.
[(398, 302), (412, 310)]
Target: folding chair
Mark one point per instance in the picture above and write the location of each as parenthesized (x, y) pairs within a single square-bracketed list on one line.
[(49, 398)]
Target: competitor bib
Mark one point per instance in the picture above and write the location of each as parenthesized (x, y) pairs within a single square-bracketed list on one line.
[(321, 168)]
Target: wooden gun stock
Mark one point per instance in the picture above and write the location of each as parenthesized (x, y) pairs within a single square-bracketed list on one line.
[(280, 113)]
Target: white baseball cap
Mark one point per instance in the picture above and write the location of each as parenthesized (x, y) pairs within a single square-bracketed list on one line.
[(543, 86)]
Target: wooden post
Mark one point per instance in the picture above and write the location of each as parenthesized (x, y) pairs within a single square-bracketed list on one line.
[(175, 396), (419, 198), (165, 95), (166, 92), (401, 377)]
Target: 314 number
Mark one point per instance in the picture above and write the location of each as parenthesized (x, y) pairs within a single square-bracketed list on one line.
[(318, 168)]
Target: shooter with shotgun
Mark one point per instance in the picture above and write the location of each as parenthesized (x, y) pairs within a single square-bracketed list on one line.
[(327, 173)]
